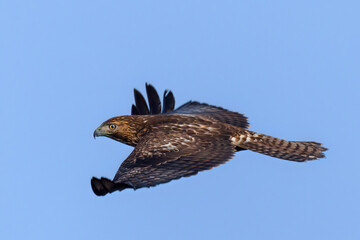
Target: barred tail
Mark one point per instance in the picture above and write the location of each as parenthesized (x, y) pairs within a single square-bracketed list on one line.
[(275, 147)]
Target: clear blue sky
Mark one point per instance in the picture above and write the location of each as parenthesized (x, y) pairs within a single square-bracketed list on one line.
[(293, 67)]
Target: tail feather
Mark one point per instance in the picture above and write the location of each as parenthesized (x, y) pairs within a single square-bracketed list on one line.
[(289, 150)]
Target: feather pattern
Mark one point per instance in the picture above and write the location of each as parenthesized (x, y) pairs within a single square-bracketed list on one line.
[(162, 156), (279, 148)]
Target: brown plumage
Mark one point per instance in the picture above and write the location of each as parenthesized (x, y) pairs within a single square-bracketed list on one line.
[(182, 142)]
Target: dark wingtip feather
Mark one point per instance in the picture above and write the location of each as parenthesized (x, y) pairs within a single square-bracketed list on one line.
[(103, 186), (140, 103), (168, 101), (141, 106), (134, 110), (97, 187), (153, 98)]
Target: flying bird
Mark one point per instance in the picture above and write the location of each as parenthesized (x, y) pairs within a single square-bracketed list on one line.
[(173, 143)]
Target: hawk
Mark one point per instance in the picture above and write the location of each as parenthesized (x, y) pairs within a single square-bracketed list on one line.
[(173, 143)]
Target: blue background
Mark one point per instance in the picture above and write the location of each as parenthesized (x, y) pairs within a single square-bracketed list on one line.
[(292, 67)]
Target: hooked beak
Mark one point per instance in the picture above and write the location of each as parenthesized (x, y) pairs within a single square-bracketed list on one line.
[(97, 133)]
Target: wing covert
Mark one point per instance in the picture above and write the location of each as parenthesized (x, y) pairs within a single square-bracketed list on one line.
[(163, 157), (217, 113)]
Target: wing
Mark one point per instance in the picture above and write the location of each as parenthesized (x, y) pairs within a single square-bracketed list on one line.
[(141, 107), (162, 156), (213, 112)]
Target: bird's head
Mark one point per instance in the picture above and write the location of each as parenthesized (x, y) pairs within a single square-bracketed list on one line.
[(123, 129)]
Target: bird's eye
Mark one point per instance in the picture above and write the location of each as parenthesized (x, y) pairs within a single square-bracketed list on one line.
[(112, 126)]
